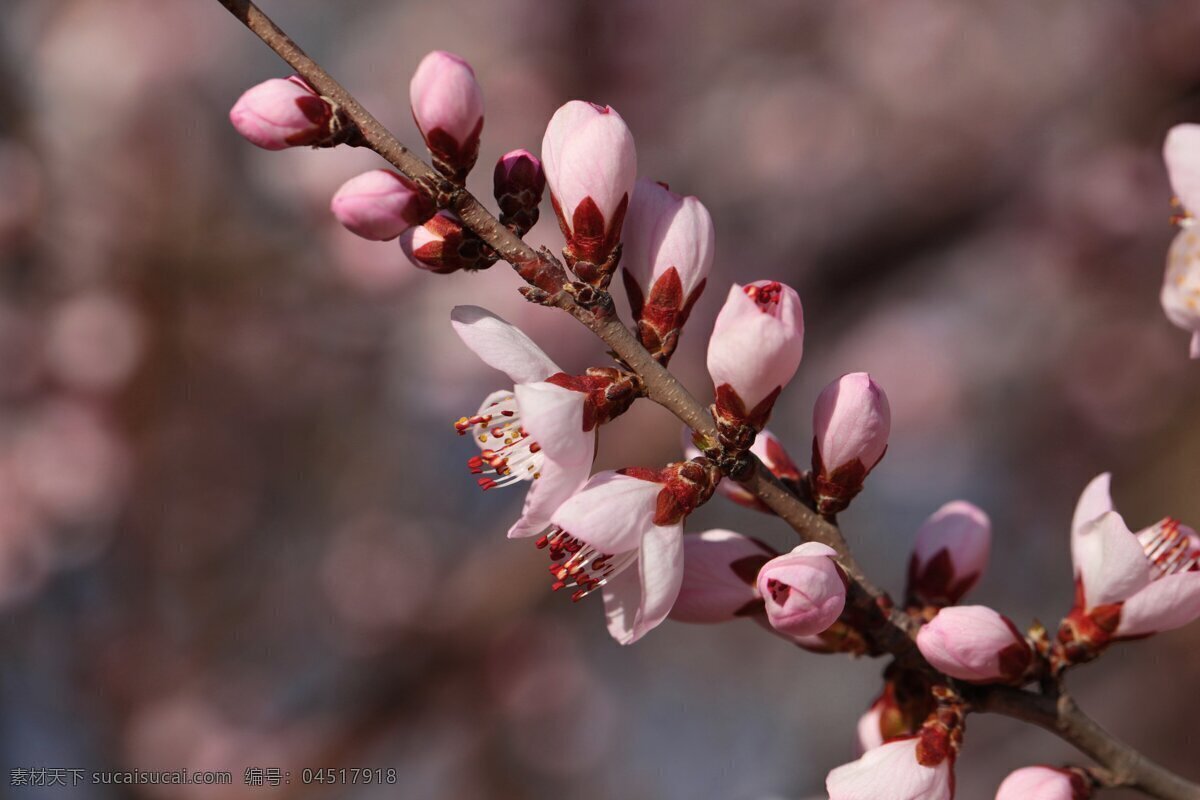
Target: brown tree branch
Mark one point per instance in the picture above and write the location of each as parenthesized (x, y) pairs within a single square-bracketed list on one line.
[(894, 633)]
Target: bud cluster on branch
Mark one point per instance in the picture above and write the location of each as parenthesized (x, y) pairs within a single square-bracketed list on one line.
[(621, 532)]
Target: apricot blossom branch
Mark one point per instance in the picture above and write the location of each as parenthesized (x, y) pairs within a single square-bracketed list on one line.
[(948, 660)]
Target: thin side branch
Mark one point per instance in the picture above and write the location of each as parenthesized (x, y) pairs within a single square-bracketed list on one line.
[(895, 632)]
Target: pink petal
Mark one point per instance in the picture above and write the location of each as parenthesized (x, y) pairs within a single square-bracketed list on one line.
[(1110, 561), (712, 591), (553, 416), (1167, 603), (611, 513), (556, 484), (501, 346), (664, 230), (660, 574), (890, 772), (755, 351), (445, 94), (1095, 500), (1194, 352), (1037, 783), (1181, 152)]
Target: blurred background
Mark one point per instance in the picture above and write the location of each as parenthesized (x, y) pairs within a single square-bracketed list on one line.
[(236, 526)]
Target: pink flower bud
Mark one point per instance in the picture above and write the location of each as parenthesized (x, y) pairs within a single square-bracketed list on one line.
[(443, 245), (518, 182), (590, 163), (950, 553), (804, 591), (380, 205), (1044, 783), (666, 255), (892, 771), (975, 644), (282, 113), (851, 424), (1180, 296), (755, 349), (720, 569), (447, 104)]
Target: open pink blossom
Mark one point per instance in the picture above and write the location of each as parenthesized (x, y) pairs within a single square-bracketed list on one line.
[(1044, 783), (804, 591), (1129, 585), (851, 424), (950, 553), (623, 533), (534, 432), (281, 113), (770, 452), (1180, 296), (447, 104), (892, 771), (975, 644), (590, 162), (720, 577), (756, 346), (666, 256), (380, 205)]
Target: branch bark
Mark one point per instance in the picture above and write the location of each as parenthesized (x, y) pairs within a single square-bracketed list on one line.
[(895, 630)]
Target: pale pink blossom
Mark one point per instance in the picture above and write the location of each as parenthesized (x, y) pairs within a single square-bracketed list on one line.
[(770, 452), (851, 424), (380, 205), (1044, 783), (637, 563), (1180, 296), (1181, 153), (590, 162), (720, 577), (975, 644), (534, 432), (950, 553), (892, 771), (281, 113), (756, 346), (803, 591), (447, 104), (1130, 584), (666, 256)]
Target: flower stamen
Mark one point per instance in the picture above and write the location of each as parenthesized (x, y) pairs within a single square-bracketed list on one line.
[(585, 569), (1170, 547), (507, 452)]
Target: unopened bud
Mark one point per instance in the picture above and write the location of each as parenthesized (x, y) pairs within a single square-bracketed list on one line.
[(1045, 783), (380, 205), (590, 162), (286, 112), (975, 644), (518, 183), (804, 591), (949, 555), (851, 424), (720, 572), (447, 104), (756, 346), (443, 245)]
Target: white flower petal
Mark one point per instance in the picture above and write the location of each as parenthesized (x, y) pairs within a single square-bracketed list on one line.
[(501, 345), (555, 486), (553, 417), (1110, 561), (611, 513), (1169, 602)]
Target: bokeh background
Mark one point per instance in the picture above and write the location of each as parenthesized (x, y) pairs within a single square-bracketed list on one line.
[(236, 526)]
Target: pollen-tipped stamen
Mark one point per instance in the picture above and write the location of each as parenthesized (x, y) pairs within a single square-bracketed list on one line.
[(1170, 547), (585, 568), (508, 455)]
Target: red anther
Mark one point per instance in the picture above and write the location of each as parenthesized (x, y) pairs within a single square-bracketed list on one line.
[(486, 483), (779, 591), (554, 587), (542, 541), (479, 419), (573, 546), (579, 595), (598, 563), (507, 413), (462, 426), (534, 447), (497, 432)]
